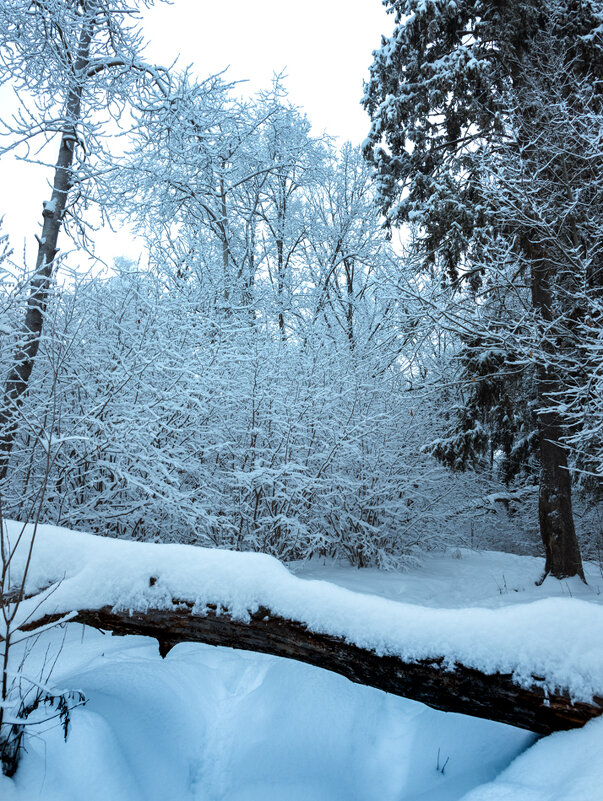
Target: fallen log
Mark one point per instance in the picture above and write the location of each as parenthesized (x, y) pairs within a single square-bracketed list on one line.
[(450, 688)]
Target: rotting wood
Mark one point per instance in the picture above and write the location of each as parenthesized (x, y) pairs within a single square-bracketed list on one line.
[(459, 688)]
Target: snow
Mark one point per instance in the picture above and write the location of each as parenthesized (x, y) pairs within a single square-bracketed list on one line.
[(558, 638), (459, 578), (563, 767), (213, 724)]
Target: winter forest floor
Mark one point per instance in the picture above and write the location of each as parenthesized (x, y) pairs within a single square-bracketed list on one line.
[(215, 724)]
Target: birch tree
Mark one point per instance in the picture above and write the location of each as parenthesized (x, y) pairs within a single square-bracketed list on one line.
[(72, 64)]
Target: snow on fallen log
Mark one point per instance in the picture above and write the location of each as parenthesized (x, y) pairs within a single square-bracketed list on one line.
[(538, 665)]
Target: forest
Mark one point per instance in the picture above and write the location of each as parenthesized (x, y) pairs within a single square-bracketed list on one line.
[(379, 363)]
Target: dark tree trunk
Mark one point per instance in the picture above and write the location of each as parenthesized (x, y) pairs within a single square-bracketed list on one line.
[(555, 505), (349, 308), (280, 284), (280, 259), (555, 515), (17, 380)]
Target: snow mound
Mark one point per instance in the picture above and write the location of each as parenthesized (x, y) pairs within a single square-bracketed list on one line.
[(566, 766)]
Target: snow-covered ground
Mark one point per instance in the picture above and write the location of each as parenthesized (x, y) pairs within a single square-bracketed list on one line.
[(213, 724)]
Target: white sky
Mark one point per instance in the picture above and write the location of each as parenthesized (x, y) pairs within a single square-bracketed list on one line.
[(324, 48)]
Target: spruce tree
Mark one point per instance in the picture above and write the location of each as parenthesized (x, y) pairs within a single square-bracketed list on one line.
[(461, 125)]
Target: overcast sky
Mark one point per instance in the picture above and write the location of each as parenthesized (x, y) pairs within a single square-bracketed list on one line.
[(324, 48)]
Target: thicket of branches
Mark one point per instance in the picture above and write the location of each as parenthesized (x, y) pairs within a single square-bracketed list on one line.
[(278, 376), (177, 418)]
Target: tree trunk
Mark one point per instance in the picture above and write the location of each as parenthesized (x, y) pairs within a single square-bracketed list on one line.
[(555, 505), (349, 308), (280, 283), (17, 380), (555, 515)]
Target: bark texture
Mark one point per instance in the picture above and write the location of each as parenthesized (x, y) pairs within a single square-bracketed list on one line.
[(28, 344), (555, 515), (460, 689)]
